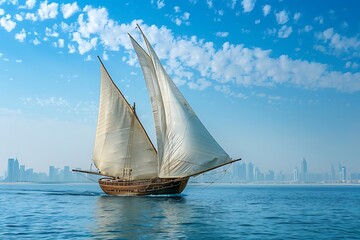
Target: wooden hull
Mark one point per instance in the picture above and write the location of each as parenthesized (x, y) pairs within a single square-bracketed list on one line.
[(157, 186)]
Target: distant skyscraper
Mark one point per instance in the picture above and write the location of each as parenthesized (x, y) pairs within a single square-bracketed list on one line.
[(242, 172), (296, 175), (333, 175), (10, 170), (22, 173), (67, 174), (250, 172), (52, 174), (343, 174), (16, 171), (304, 172), (13, 170)]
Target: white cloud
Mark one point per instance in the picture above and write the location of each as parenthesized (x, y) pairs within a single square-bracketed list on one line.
[(36, 42), (2, 12), (51, 33), (97, 19), (160, 4), (297, 16), (284, 31), (7, 23), (180, 18), (69, 9), (18, 61), (105, 56), (200, 84), (222, 34), (71, 48), (30, 4), (257, 21), (84, 45), (233, 4), (319, 19), (61, 43), (282, 17), (338, 44), (307, 28), (21, 35), (47, 11), (235, 65), (209, 3), (46, 102), (18, 17), (88, 58), (13, 2), (227, 90), (31, 17), (248, 5), (266, 9)]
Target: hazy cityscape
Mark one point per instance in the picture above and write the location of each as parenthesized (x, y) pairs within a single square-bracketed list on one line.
[(240, 172)]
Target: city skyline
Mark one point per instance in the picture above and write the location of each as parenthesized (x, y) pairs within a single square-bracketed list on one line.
[(272, 81), (240, 172)]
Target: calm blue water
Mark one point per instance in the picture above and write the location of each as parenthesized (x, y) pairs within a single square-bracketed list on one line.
[(82, 211)]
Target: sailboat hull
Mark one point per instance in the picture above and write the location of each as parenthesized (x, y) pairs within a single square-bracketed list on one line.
[(157, 186)]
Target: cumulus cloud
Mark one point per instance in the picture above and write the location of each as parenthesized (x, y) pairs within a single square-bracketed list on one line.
[(69, 9), (51, 33), (284, 31), (2, 12), (30, 4), (319, 19), (222, 34), (105, 56), (266, 9), (47, 11), (71, 48), (338, 44), (7, 23), (36, 42), (18, 17), (209, 3), (61, 43), (282, 17), (235, 65), (83, 44), (248, 5), (160, 4), (44, 102), (31, 17), (200, 84), (297, 16), (21, 35)]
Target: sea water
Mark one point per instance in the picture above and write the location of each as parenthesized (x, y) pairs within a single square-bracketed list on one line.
[(83, 211)]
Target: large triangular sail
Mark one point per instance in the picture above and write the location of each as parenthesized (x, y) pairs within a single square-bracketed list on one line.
[(122, 148), (187, 148)]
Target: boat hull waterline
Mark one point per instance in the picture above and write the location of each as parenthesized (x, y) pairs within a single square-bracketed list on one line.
[(157, 186)]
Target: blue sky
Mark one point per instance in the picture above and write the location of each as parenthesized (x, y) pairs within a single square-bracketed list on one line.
[(273, 81)]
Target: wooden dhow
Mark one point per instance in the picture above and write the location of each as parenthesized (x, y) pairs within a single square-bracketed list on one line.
[(125, 155)]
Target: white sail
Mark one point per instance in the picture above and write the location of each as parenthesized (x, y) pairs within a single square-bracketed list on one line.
[(122, 148), (187, 147), (154, 94)]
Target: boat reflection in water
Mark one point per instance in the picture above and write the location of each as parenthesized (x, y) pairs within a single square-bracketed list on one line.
[(141, 217)]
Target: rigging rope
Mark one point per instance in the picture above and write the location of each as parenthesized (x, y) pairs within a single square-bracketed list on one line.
[(215, 179)]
